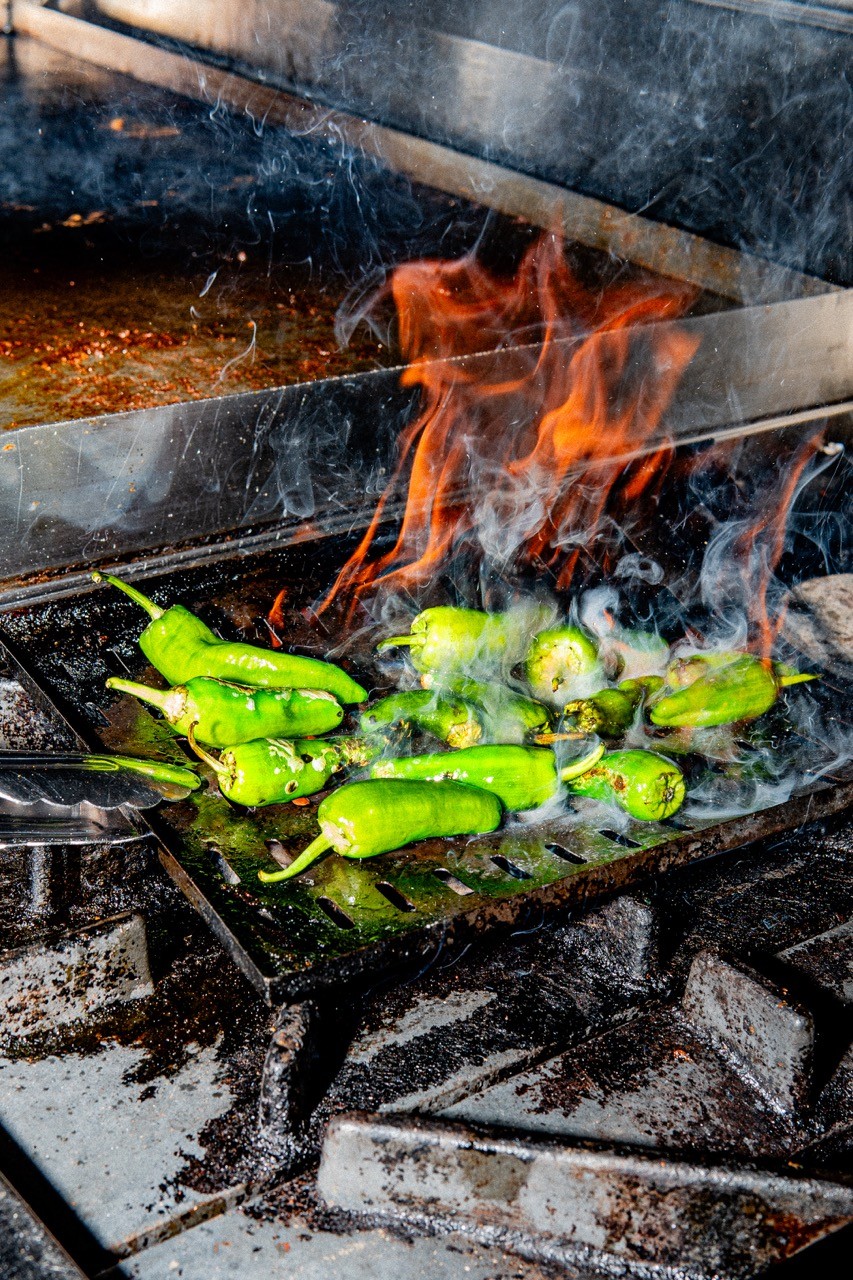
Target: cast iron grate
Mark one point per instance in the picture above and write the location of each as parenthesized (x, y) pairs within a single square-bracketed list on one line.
[(342, 919)]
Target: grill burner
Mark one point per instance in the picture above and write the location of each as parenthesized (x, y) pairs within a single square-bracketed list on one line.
[(345, 919)]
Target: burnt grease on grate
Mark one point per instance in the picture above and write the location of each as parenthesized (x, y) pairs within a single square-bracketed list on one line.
[(342, 918)]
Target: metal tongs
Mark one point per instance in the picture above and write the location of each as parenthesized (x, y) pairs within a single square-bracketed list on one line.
[(75, 797)]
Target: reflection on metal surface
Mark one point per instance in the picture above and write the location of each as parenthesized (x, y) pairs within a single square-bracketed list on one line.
[(74, 979), (300, 453), (585, 219), (573, 1205)]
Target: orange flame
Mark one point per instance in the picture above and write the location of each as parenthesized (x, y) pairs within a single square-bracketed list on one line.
[(515, 455), (759, 549)]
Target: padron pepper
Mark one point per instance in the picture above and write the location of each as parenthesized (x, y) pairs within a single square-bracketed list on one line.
[(446, 638), (521, 777), (647, 786), (181, 646), (224, 714), (449, 719), (723, 688), (274, 771), (611, 712), (504, 716), (365, 819), (561, 663)]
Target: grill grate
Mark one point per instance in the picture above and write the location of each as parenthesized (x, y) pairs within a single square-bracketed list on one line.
[(343, 918)]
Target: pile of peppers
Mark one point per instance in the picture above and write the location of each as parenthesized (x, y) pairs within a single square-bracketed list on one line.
[(520, 718)]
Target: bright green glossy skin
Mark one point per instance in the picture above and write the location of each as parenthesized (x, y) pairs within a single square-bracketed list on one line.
[(707, 693), (505, 716), (181, 647), (364, 819), (556, 660), (273, 771), (445, 638), (648, 787), (224, 714), (521, 777), (449, 719)]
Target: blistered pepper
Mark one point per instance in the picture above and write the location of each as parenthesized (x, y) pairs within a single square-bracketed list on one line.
[(562, 663), (365, 819), (224, 714), (504, 716), (714, 689), (611, 712), (521, 777), (647, 786), (445, 638), (449, 719), (181, 646), (274, 771)]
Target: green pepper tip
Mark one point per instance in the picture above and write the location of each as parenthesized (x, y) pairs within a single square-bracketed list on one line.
[(578, 767)]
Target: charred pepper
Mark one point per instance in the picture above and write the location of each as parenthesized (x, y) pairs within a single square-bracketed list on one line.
[(449, 719), (648, 787), (561, 663), (365, 819), (275, 770), (504, 716), (610, 712), (181, 646), (224, 714), (521, 777), (724, 688)]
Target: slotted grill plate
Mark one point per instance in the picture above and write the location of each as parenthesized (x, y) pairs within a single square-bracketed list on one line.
[(343, 918)]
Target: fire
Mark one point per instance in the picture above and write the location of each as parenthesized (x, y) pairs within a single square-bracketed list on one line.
[(515, 455)]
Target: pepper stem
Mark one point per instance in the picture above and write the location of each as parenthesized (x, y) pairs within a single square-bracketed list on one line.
[(153, 610), (172, 702), (394, 642), (216, 765), (300, 864), (585, 763)]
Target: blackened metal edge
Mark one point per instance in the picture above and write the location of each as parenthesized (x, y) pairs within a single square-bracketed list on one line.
[(576, 888)]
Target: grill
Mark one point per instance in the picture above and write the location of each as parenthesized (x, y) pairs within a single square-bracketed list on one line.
[(421, 1058)]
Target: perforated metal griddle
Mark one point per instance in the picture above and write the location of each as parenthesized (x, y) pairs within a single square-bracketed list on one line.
[(344, 918)]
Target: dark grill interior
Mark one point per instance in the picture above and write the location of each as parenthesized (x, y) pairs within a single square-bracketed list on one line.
[(584, 1046)]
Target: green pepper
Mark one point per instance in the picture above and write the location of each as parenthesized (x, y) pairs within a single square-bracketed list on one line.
[(180, 646), (611, 712), (276, 770), (172, 780), (647, 786), (560, 663), (365, 819), (504, 716), (446, 638), (521, 777), (723, 688), (449, 719), (223, 714)]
